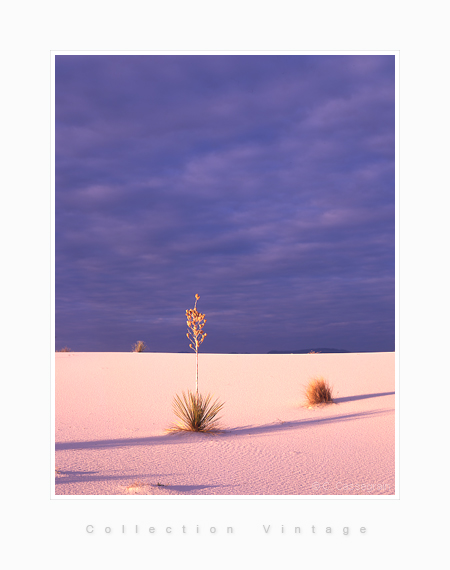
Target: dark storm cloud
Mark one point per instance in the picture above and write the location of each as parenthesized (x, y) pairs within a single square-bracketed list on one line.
[(264, 183)]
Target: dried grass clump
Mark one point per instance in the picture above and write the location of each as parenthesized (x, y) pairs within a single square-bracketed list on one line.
[(318, 392), (65, 349), (135, 487), (196, 413), (139, 346)]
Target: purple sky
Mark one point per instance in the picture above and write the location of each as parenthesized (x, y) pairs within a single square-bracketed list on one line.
[(263, 183)]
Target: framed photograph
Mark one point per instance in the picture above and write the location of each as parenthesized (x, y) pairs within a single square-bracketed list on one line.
[(220, 291), (225, 275)]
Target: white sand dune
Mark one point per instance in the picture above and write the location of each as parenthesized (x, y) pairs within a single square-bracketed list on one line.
[(112, 410)]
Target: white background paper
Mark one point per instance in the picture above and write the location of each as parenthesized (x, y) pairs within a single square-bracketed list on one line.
[(52, 533)]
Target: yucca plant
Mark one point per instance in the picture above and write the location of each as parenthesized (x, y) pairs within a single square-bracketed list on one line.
[(318, 391), (196, 413)]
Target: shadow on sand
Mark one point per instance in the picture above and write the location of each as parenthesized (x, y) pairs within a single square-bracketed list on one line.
[(91, 476), (361, 397), (190, 488), (188, 437), (138, 480), (286, 426)]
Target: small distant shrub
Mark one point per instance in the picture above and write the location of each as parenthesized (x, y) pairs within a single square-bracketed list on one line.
[(314, 352), (196, 413), (318, 391), (139, 346), (135, 487), (65, 349)]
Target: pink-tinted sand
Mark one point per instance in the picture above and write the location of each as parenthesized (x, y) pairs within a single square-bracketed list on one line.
[(112, 409)]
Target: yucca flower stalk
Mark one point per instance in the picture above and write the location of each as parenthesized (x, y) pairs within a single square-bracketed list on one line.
[(195, 322)]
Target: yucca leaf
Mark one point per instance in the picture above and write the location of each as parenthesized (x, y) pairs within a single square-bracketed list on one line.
[(196, 413)]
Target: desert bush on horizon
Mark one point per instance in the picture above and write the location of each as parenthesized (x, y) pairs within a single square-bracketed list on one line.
[(64, 349), (196, 412), (139, 346), (318, 391)]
